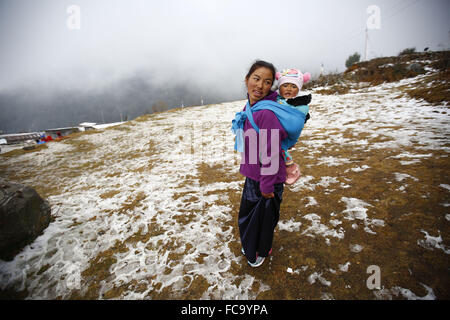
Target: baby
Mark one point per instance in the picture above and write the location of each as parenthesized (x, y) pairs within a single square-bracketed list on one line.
[(290, 81)]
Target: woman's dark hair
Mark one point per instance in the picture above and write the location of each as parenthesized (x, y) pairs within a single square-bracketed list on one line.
[(258, 64)]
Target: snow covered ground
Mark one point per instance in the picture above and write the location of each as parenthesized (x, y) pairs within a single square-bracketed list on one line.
[(148, 209)]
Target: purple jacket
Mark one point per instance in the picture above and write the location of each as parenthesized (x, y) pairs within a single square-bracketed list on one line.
[(265, 119)]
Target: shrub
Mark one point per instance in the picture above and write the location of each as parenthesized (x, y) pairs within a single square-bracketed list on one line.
[(407, 51), (354, 58)]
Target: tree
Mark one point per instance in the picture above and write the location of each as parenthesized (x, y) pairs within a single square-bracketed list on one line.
[(354, 58)]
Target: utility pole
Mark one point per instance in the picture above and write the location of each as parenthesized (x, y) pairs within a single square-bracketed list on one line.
[(367, 45)]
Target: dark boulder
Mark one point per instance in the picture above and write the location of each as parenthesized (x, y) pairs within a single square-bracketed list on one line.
[(23, 216), (415, 67)]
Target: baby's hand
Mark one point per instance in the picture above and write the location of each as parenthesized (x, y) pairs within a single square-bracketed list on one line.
[(300, 101)]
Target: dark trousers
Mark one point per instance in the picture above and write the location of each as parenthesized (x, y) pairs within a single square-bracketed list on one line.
[(258, 218)]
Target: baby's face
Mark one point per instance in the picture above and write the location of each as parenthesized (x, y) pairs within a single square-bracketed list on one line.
[(288, 90)]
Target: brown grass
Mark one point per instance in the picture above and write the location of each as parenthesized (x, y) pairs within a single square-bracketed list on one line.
[(132, 203), (335, 89), (109, 194), (19, 152), (371, 72), (214, 173), (98, 271), (438, 93)]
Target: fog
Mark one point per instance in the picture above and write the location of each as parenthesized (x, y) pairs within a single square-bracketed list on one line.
[(127, 55)]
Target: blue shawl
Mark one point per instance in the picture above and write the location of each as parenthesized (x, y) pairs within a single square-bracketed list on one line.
[(291, 120)]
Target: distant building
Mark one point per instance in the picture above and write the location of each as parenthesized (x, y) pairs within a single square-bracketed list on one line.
[(85, 126), (15, 138), (63, 131)]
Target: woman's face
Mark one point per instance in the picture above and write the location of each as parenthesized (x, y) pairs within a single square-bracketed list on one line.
[(259, 84)]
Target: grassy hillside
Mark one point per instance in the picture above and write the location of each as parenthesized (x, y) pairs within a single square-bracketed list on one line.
[(148, 209), (434, 85)]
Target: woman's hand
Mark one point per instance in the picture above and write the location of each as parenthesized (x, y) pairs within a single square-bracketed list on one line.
[(268, 195)]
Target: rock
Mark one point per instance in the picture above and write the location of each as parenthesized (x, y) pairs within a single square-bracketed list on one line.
[(23, 216), (415, 67)]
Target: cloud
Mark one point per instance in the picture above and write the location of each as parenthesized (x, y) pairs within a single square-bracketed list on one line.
[(200, 40), (202, 44)]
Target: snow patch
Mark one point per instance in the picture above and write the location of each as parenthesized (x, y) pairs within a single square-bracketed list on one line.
[(290, 225), (318, 276), (289, 270), (356, 209), (311, 202), (402, 176), (317, 228), (386, 294), (431, 242), (359, 169), (332, 161), (344, 267), (356, 248)]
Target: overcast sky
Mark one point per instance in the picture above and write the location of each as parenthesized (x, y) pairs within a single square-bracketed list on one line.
[(209, 42)]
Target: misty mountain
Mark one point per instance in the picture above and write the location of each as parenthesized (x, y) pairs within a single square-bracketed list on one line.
[(40, 107)]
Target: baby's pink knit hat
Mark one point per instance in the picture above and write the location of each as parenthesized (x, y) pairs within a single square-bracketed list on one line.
[(292, 76)]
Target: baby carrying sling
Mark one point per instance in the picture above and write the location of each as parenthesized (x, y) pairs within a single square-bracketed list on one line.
[(291, 120)]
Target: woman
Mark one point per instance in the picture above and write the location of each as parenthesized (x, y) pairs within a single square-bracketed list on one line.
[(262, 194)]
